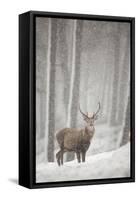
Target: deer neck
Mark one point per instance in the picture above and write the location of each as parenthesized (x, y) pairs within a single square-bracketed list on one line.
[(89, 130)]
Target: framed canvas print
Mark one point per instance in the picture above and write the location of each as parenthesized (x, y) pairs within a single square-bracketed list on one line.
[(76, 99)]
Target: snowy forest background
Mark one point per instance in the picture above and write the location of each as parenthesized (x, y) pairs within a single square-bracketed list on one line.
[(86, 62)]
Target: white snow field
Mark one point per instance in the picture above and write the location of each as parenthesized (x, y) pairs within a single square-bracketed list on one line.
[(111, 164)]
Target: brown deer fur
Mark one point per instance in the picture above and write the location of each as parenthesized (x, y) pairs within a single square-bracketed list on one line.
[(76, 140)]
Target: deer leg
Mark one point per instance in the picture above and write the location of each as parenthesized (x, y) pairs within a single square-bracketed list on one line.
[(61, 156), (58, 157), (78, 157), (83, 156)]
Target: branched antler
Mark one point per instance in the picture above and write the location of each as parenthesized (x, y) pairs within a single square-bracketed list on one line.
[(95, 114), (82, 112)]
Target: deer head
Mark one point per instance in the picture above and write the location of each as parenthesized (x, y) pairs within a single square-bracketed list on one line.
[(90, 120)]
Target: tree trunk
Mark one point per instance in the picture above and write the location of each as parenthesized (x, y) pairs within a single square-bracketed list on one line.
[(113, 117), (38, 115), (126, 130), (107, 78), (75, 79), (64, 59), (50, 96), (104, 95), (124, 80), (41, 63)]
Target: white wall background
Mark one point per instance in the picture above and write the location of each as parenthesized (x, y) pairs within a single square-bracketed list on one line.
[(9, 98)]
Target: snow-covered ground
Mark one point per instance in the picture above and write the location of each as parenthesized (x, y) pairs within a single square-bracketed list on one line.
[(103, 165)]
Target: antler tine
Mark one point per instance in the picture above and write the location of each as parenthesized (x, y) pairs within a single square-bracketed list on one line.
[(82, 112), (97, 110)]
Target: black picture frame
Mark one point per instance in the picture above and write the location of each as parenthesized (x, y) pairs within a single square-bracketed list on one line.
[(27, 101)]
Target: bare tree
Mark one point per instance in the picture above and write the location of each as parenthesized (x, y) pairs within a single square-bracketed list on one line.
[(41, 106), (50, 97), (64, 56), (113, 116), (124, 78), (126, 130), (106, 85), (41, 45), (104, 94), (75, 78)]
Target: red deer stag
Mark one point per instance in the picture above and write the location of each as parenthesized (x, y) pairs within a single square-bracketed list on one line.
[(76, 140)]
